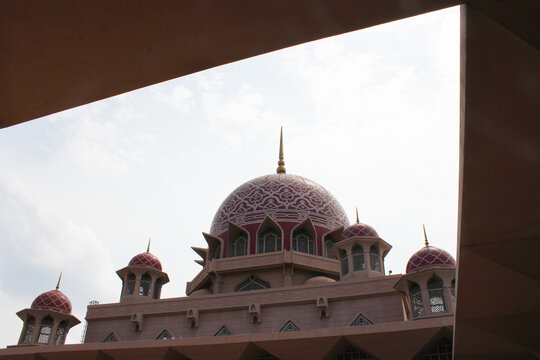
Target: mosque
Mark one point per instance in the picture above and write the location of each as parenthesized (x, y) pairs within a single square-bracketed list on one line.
[(284, 276)]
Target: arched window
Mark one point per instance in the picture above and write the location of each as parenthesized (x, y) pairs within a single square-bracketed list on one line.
[(352, 353), (252, 283), (130, 284), (344, 259), (28, 330), (374, 259), (416, 299), (45, 330), (144, 287), (453, 290), (358, 258), (269, 241), (303, 242), (238, 246), (157, 288), (60, 336), (217, 252), (437, 302), (328, 246)]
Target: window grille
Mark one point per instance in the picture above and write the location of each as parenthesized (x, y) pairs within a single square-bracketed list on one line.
[(28, 331), (289, 326), (164, 335), (269, 242), (437, 302), (60, 336), (303, 242), (358, 258), (374, 259), (353, 354), (453, 290), (328, 246), (267, 356), (45, 330), (252, 283), (238, 246), (344, 259), (111, 338), (157, 288), (144, 286), (416, 299), (440, 351), (130, 284), (223, 331), (361, 320)]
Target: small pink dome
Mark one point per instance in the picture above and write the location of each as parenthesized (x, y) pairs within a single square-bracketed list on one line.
[(360, 230), (53, 300), (429, 257), (147, 260)]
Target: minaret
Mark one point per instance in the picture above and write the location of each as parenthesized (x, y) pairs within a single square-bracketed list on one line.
[(281, 163), (48, 319)]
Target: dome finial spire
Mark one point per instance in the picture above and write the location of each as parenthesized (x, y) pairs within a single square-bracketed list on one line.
[(357, 219), (58, 283), (281, 164), (425, 236), (148, 248)]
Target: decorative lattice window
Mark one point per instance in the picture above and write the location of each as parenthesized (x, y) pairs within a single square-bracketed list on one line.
[(238, 246), (45, 330), (130, 284), (267, 356), (269, 242), (353, 354), (374, 259), (344, 260), (361, 320), (417, 303), (252, 283), (289, 326), (164, 335), (223, 331), (111, 338), (157, 288), (358, 258), (60, 336), (328, 246), (303, 242), (453, 290), (144, 286), (437, 302), (28, 331), (440, 351)]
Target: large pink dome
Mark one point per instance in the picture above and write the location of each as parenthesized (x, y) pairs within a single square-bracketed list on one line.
[(146, 259), (285, 197), (53, 300), (429, 257)]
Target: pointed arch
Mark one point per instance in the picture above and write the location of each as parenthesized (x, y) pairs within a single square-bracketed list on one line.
[(130, 283), (269, 236), (238, 241), (223, 331), (417, 304), (437, 301), (358, 258), (157, 288), (111, 338), (252, 283), (61, 331), (289, 326), (213, 243), (344, 260), (374, 258), (28, 330), (164, 335), (45, 330), (304, 237), (144, 284), (328, 241)]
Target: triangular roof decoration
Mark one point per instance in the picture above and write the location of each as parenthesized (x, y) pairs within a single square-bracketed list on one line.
[(361, 320), (289, 326), (164, 335), (223, 331), (111, 338)]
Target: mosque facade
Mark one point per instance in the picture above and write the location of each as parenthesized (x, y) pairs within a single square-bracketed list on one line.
[(285, 275)]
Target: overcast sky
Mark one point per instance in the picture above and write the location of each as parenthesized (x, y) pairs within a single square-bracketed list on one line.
[(371, 115)]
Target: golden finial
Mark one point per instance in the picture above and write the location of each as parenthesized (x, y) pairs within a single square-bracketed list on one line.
[(425, 236), (357, 219), (148, 248), (281, 164), (58, 283)]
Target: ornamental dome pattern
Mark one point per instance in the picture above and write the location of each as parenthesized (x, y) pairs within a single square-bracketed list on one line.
[(284, 197), (53, 300), (359, 230), (147, 260), (429, 257)]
